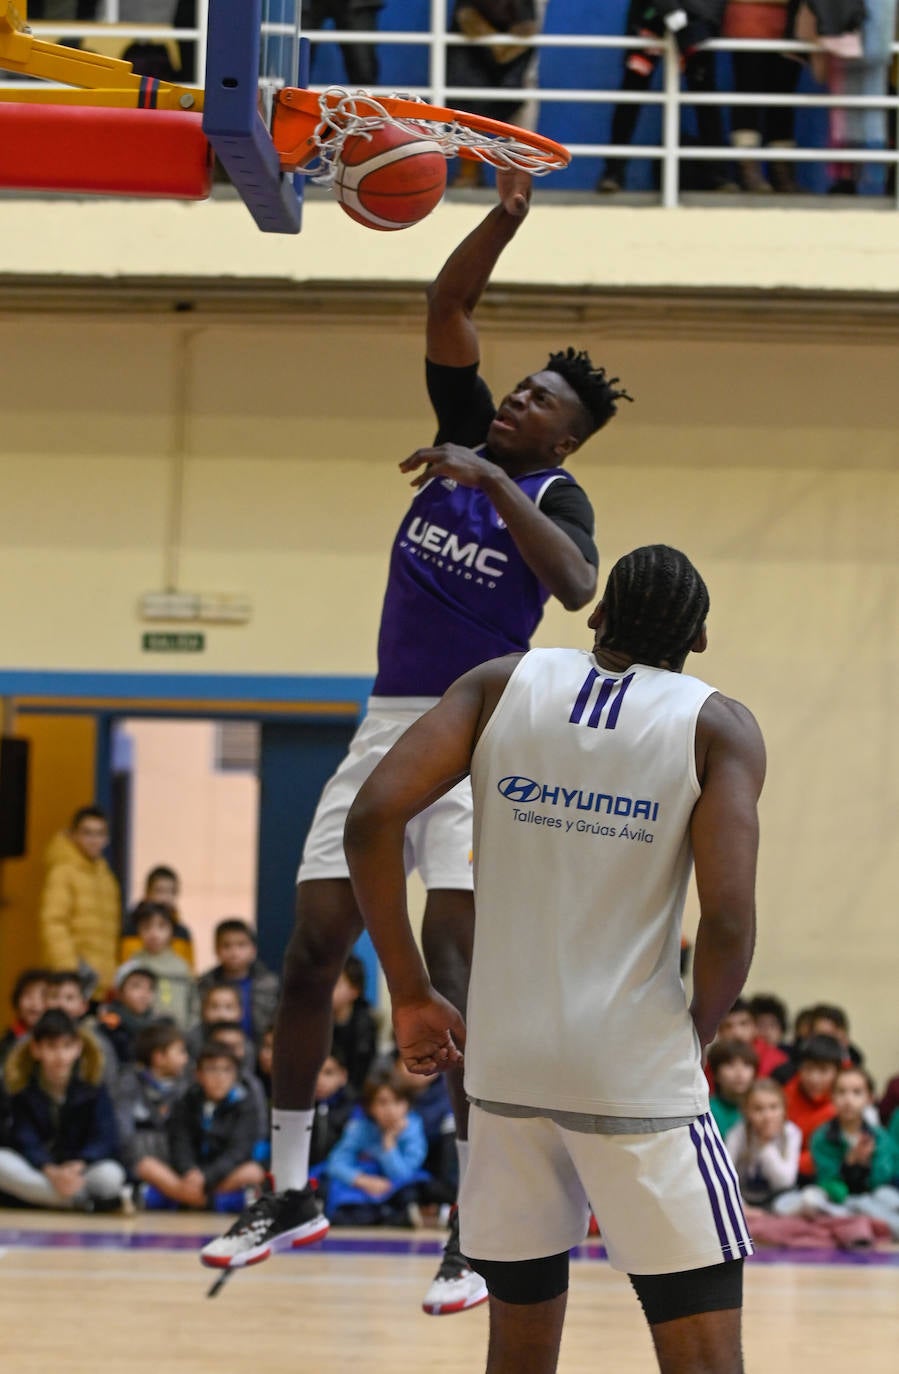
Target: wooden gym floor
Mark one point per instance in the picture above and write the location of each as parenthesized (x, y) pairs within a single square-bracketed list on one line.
[(85, 1295)]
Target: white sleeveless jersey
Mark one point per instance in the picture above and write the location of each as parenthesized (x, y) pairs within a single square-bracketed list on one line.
[(584, 782)]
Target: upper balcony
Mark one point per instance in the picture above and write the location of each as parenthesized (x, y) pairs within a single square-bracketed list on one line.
[(668, 186)]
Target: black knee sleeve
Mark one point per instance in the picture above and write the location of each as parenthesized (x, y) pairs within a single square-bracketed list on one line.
[(522, 1282), (665, 1297)]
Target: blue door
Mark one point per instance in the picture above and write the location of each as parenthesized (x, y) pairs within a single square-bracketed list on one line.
[(296, 760)]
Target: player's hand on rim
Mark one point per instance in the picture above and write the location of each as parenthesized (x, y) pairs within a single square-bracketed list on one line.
[(430, 1034), (463, 465)]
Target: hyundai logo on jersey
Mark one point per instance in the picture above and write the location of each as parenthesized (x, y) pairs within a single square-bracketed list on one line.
[(517, 788)]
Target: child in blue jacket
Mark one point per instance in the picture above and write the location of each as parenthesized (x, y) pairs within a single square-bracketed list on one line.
[(375, 1167)]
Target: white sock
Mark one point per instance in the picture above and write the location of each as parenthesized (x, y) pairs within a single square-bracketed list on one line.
[(462, 1150), (291, 1137)]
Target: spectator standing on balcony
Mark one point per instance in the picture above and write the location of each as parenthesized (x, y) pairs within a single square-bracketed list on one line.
[(867, 75), (360, 16), (69, 11), (505, 65), (75, 11), (153, 57), (81, 906), (691, 22), (762, 73)]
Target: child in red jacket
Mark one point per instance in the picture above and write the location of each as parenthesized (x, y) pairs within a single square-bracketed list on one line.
[(809, 1095)]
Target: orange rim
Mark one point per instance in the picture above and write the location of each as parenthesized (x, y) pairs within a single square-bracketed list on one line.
[(298, 114)]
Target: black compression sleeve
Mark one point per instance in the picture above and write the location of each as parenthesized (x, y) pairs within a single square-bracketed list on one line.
[(462, 403), (567, 505), (669, 1297)]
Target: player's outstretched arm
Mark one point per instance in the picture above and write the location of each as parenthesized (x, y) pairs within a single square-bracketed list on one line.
[(725, 836), (429, 759), (452, 339)]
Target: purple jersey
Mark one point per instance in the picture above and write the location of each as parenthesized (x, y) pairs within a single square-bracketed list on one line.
[(458, 591)]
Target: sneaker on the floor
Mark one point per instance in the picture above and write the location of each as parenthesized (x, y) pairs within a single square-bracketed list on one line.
[(456, 1287), (276, 1221)]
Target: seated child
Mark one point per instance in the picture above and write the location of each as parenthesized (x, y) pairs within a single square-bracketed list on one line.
[(430, 1099), (888, 1104), (764, 1146), (65, 992), (132, 1010), (855, 1162), (377, 1163), (62, 1131), (334, 1103), (29, 1002), (802, 1029), (264, 1063), (211, 1133), (808, 1095), (218, 1002), (175, 990), (240, 968), (161, 884), (732, 1065), (828, 1019), (355, 1033), (231, 1035), (739, 1024), (771, 1020), (144, 1097)]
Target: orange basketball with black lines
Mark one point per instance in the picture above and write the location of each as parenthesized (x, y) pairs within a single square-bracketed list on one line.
[(391, 178)]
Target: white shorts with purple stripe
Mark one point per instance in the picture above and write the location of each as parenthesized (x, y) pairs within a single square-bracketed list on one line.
[(664, 1202), (438, 840)]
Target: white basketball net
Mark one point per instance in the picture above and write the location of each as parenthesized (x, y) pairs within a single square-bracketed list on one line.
[(349, 114)]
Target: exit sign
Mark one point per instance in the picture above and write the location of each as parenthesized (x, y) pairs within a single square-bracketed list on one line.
[(181, 643)]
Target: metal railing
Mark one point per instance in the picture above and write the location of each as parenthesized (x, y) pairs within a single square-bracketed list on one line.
[(670, 98)]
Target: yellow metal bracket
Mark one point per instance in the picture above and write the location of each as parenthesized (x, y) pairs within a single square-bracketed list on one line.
[(99, 80)]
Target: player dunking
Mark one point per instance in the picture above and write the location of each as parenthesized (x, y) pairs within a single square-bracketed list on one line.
[(596, 776), (497, 527)]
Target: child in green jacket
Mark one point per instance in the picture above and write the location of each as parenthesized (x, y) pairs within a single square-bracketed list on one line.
[(855, 1159)]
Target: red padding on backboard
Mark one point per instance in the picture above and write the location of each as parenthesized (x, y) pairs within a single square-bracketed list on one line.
[(97, 151)]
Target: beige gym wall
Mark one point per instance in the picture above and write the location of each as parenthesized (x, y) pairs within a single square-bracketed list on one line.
[(770, 459)]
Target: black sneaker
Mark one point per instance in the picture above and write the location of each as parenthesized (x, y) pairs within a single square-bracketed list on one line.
[(456, 1286), (277, 1221)]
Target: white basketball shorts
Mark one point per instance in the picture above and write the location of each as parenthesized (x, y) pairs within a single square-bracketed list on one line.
[(438, 841), (665, 1202)]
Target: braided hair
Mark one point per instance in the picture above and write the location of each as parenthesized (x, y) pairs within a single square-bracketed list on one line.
[(656, 604), (595, 391)]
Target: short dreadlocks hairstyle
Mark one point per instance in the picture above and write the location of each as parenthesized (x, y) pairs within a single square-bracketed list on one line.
[(595, 391), (656, 603)]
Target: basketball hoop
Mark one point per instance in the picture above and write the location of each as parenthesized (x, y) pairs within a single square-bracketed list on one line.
[(309, 130)]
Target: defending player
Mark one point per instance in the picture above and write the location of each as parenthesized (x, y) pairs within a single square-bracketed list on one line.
[(494, 530), (595, 777)]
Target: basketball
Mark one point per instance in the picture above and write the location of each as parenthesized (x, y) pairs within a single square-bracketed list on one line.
[(390, 180)]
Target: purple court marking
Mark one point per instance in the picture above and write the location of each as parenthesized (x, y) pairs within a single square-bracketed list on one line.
[(392, 1245)]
